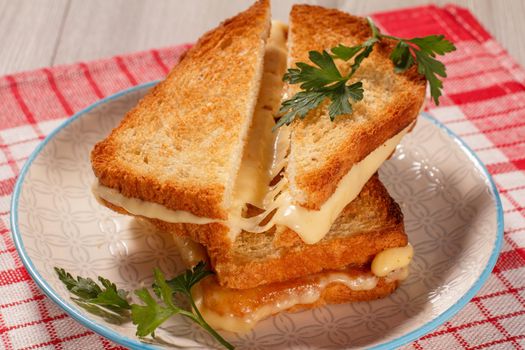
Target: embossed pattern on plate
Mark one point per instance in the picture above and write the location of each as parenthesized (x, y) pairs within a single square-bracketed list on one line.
[(452, 216)]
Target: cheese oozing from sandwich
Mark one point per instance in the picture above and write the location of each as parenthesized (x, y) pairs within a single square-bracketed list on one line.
[(313, 225), (392, 259), (240, 310), (264, 158), (283, 297), (310, 225)]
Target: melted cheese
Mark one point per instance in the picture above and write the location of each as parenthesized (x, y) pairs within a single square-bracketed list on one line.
[(400, 274), (305, 295), (313, 225), (253, 177), (146, 209), (310, 225), (190, 251), (392, 264), (392, 259)]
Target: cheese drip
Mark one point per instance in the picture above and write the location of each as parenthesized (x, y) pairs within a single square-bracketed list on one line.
[(392, 259), (190, 251)]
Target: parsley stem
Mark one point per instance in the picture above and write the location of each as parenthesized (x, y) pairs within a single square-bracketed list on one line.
[(390, 37), (197, 317), (375, 30)]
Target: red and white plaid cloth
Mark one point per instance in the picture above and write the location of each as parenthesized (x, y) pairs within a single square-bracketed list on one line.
[(484, 103)]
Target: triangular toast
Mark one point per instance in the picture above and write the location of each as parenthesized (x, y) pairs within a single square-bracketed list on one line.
[(322, 151), (181, 146)]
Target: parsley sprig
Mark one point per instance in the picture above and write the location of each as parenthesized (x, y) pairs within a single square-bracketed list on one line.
[(112, 304), (323, 80), (107, 302)]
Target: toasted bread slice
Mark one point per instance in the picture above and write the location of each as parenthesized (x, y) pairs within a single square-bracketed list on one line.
[(181, 146), (217, 235), (238, 310), (322, 151)]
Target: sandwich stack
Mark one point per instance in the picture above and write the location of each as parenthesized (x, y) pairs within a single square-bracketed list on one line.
[(288, 219)]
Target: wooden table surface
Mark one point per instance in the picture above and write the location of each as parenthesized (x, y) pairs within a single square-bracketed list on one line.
[(38, 33)]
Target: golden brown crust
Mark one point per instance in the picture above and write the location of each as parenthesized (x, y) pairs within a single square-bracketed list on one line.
[(368, 225), (323, 151), (178, 147), (242, 302)]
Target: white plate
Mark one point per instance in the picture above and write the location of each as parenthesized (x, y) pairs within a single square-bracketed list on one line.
[(453, 217)]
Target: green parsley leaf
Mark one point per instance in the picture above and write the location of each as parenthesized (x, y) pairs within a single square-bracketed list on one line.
[(299, 105), (111, 296), (311, 76), (185, 281), (183, 284), (111, 303), (433, 44), (150, 316), (425, 53), (326, 82), (341, 99), (368, 46), (431, 68), (89, 291), (84, 288), (402, 57), (345, 53), (360, 52)]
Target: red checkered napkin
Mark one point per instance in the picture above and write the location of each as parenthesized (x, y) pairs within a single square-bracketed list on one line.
[(484, 103)]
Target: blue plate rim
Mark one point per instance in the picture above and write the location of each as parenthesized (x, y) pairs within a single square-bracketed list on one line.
[(136, 344)]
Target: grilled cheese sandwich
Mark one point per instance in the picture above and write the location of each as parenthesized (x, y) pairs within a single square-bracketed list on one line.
[(208, 168)]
